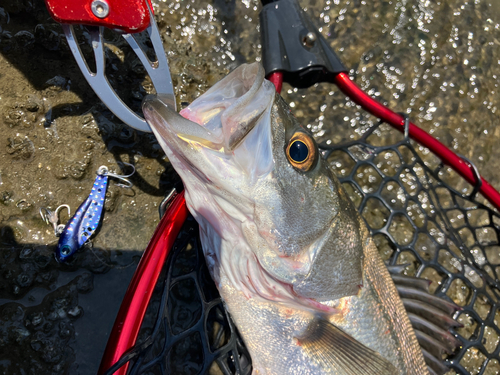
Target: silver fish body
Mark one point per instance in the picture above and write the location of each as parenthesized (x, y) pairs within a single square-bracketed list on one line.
[(292, 259)]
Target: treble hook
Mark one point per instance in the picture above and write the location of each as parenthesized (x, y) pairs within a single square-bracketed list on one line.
[(104, 171), (52, 218)]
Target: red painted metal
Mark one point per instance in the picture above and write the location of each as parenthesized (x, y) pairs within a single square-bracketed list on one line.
[(130, 16), (277, 79), (448, 157), (129, 319)]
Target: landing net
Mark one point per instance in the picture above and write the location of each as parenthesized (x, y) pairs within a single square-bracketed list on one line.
[(420, 213)]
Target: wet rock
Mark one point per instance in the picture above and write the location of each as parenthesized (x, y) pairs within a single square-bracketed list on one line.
[(49, 351), (32, 106), (88, 145), (36, 345), (16, 6), (23, 113), (59, 168), (43, 256), (24, 39), (111, 198), (47, 278), (57, 82), (24, 280), (66, 329), (104, 126), (39, 338), (20, 334), (138, 69), (15, 117), (34, 319), (26, 253), (85, 283), (20, 148), (23, 269), (79, 168), (12, 312), (49, 36), (4, 17), (75, 312), (127, 134), (6, 197), (24, 205)]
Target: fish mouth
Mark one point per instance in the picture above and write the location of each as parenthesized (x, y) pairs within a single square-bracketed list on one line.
[(222, 117), (166, 122)]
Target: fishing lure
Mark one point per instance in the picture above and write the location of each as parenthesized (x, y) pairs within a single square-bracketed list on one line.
[(88, 216)]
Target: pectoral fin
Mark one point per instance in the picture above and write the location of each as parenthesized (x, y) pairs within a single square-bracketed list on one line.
[(336, 351)]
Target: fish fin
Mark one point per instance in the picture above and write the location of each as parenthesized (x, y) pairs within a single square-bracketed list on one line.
[(414, 282), (434, 363), (432, 345), (431, 318), (397, 268), (433, 330), (427, 298), (418, 289), (430, 313), (332, 348)]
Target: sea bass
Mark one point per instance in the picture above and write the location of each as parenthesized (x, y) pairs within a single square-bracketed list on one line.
[(290, 255)]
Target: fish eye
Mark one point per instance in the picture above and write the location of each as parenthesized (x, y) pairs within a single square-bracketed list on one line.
[(301, 151)]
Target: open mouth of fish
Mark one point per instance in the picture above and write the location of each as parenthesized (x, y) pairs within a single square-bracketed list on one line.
[(226, 115)]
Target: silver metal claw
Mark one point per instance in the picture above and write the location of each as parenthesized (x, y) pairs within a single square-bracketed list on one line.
[(158, 71)]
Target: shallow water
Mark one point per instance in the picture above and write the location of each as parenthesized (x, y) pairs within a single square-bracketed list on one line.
[(437, 61)]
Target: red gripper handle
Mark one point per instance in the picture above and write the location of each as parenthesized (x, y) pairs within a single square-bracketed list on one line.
[(129, 16)]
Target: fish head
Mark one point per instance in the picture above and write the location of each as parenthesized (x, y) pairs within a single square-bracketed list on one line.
[(254, 178)]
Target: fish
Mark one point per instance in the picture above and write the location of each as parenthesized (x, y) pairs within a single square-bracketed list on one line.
[(292, 259)]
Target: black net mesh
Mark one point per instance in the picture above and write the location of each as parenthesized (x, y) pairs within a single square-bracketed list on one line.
[(186, 329), (425, 216), (420, 214)]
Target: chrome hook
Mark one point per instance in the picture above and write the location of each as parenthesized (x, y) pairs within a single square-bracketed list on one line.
[(103, 170), (52, 218)]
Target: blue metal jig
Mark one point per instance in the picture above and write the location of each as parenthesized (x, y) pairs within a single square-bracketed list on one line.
[(88, 216)]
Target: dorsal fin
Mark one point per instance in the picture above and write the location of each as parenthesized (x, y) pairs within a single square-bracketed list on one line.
[(430, 313), (333, 349), (430, 316), (427, 298)]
